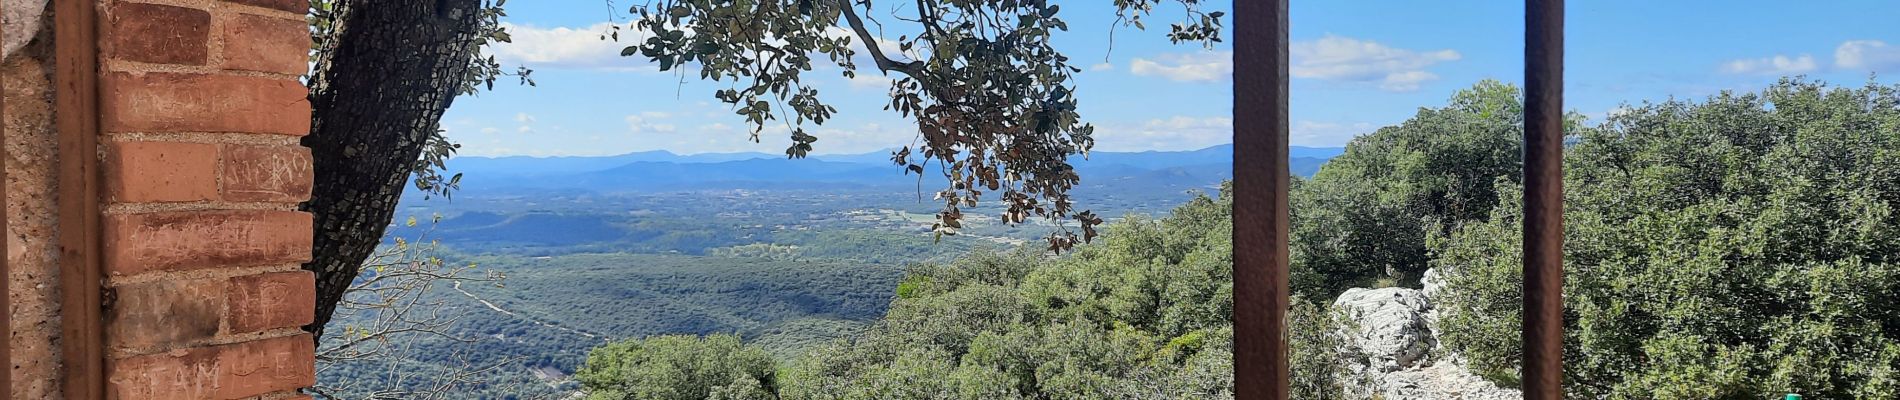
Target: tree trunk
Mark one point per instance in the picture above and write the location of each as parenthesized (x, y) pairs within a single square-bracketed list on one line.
[(378, 92)]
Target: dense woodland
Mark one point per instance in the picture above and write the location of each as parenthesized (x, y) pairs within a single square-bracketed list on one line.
[(559, 307), (1742, 246), (1145, 312), (583, 262), (1739, 246)]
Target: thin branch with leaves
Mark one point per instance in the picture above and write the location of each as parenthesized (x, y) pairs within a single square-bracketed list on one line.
[(992, 98)]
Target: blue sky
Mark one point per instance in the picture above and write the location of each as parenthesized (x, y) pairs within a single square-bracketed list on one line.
[(1357, 65)]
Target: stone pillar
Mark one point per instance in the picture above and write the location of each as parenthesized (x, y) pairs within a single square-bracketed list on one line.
[(32, 159)]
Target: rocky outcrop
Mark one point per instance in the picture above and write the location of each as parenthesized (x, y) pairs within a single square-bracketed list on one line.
[(1442, 379), (1390, 332), (1434, 284), (1387, 325)]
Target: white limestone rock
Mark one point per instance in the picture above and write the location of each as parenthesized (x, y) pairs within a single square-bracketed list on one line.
[(1434, 285), (1394, 349), (1389, 326), (1443, 379)]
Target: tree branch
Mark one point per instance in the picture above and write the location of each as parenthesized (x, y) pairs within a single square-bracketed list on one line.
[(915, 69)]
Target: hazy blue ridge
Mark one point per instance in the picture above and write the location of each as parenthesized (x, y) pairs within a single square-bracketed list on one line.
[(662, 170)]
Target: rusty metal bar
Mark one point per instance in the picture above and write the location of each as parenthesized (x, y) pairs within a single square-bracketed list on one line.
[(1543, 199), (76, 114), (1261, 181)]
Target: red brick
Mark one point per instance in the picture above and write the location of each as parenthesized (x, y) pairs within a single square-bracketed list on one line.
[(182, 102), (274, 300), (137, 172), (166, 241), (165, 313), (232, 371), (157, 33), (266, 173), (266, 44), (296, 6)]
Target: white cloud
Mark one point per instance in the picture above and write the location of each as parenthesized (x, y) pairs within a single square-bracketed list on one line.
[(638, 123), (1164, 134), (584, 48), (1191, 67), (1870, 55), (1332, 58), (1101, 67), (1182, 122), (1326, 134), (1777, 65), (864, 137), (869, 81), (1339, 58), (1191, 133), (650, 121), (525, 121), (1406, 81), (572, 48)]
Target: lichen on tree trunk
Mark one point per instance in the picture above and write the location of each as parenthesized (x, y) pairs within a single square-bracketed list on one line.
[(378, 92)]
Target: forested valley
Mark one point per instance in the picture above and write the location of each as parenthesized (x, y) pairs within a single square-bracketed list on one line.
[(548, 258), (1741, 245)]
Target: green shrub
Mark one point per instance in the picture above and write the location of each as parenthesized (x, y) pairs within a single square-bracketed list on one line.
[(679, 368), (1316, 360), (1143, 313), (1740, 247), (1365, 215)]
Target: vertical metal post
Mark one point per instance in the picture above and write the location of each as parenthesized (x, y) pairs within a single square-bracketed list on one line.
[(76, 114), (1261, 180), (1543, 199)]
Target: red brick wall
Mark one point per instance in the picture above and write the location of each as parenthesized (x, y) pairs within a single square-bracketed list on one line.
[(202, 109)]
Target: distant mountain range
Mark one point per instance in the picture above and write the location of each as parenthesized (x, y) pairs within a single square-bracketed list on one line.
[(664, 170)]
